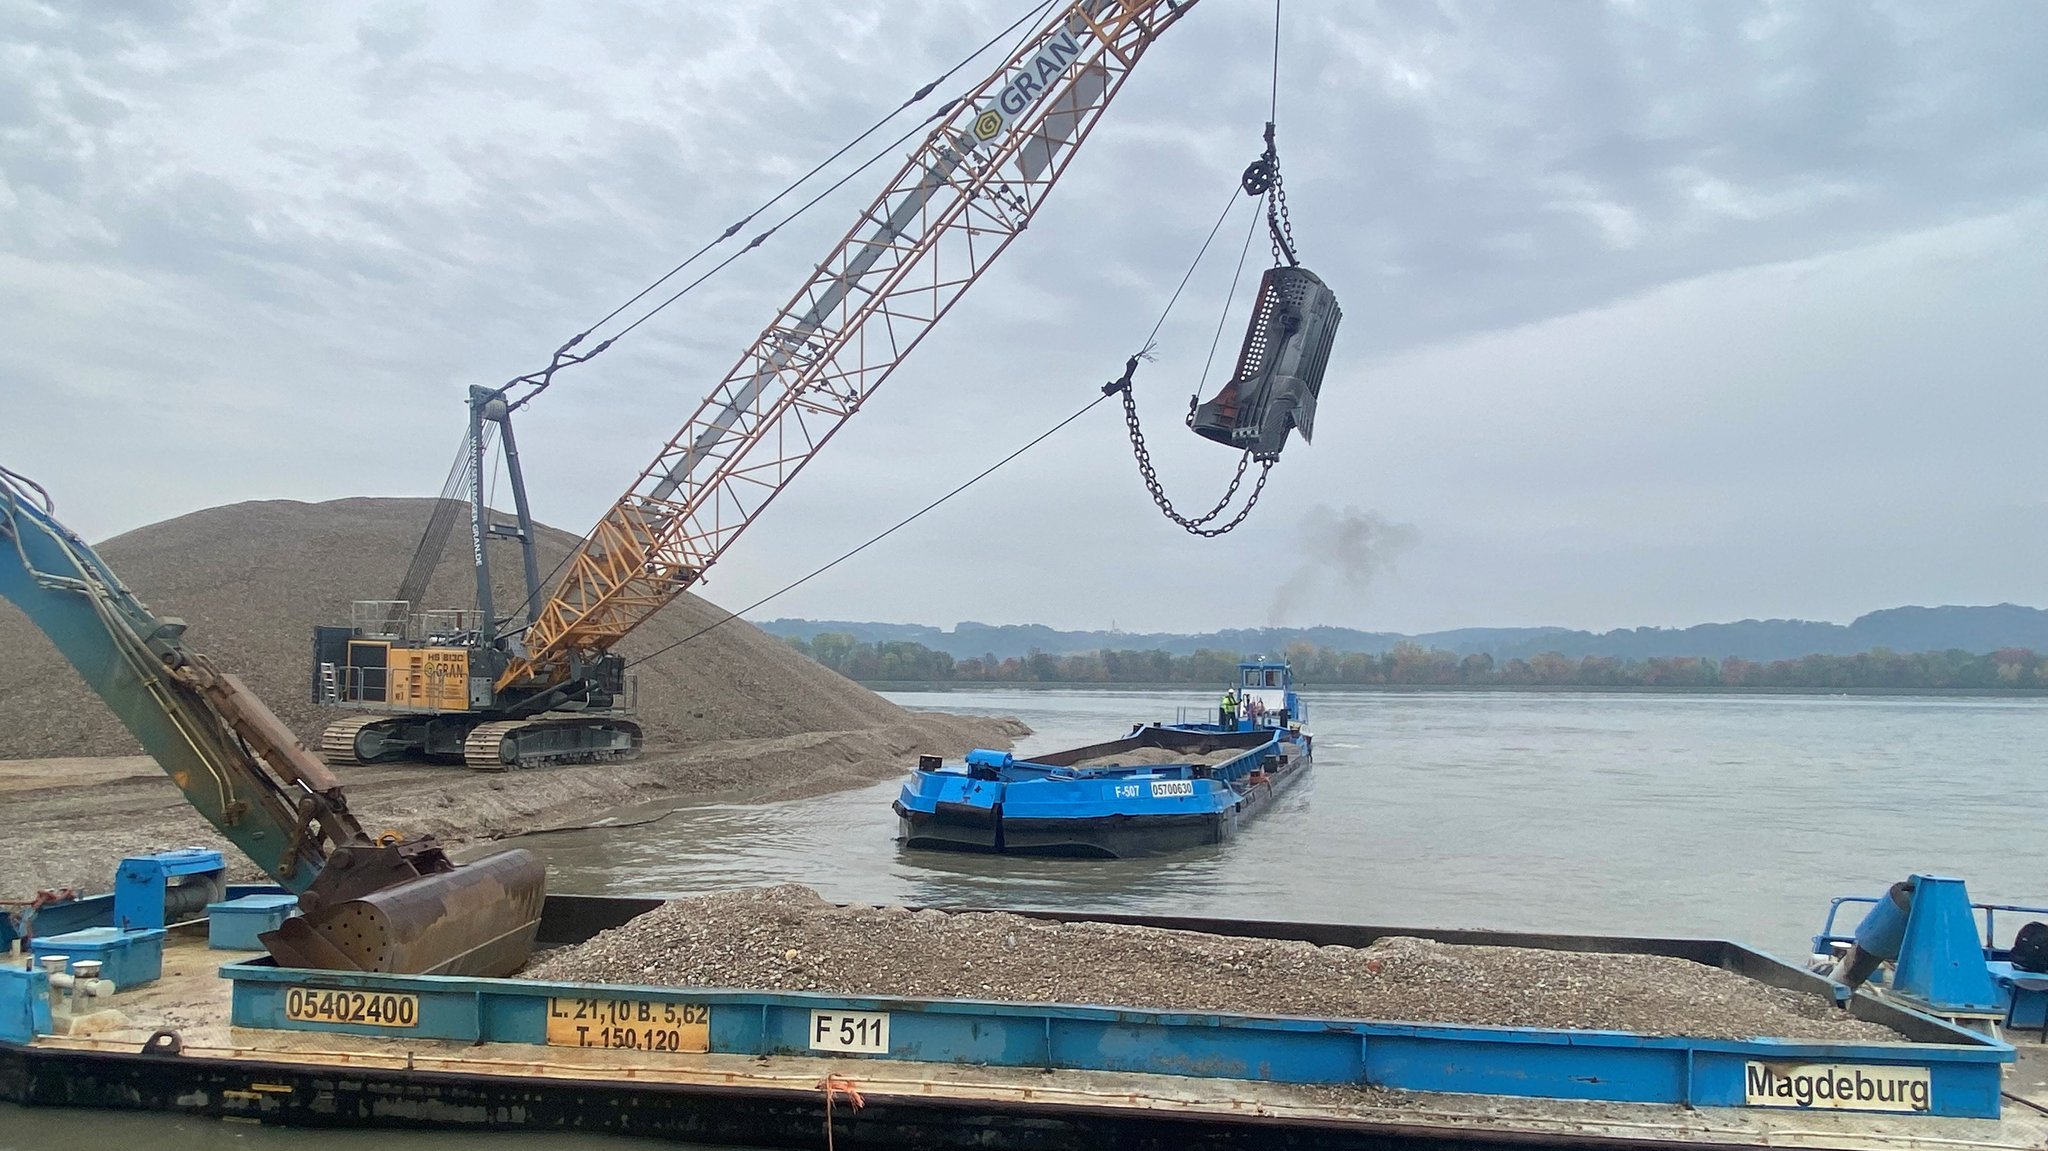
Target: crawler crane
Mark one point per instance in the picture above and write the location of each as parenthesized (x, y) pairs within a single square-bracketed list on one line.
[(544, 682)]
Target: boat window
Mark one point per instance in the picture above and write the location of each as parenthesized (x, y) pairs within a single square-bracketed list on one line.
[(1251, 679), (1272, 677)]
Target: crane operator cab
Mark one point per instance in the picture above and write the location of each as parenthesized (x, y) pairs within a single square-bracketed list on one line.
[(1279, 370)]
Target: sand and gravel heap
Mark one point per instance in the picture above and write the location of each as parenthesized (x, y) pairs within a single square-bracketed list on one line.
[(735, 713), (788, 939), (252, 580), (1160, 757)]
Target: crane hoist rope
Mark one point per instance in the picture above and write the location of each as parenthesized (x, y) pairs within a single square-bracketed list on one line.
[(565, 356)]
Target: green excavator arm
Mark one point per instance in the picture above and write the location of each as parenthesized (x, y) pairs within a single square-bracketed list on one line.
[(367, 905)]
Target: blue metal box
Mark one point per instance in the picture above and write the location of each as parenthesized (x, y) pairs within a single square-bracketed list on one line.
[(234, 924), (129, 958), (24, 1005)]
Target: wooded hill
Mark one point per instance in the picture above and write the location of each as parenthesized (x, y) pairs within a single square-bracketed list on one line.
[(1905, 630)]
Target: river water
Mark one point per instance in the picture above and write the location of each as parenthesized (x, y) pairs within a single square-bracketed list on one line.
[(1722, 815)]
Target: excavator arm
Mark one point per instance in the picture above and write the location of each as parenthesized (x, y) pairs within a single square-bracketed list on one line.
[(968, 190), (367, 905)]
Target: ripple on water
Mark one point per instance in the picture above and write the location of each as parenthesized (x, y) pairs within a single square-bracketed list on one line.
[(1733, 816)]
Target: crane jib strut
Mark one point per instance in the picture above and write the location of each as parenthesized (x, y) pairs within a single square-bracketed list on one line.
[(967, 192)]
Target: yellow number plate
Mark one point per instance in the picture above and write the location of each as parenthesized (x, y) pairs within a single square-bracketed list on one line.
[(335, 1005), (629, 1025)]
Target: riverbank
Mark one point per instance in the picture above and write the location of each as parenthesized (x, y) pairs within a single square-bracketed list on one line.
[(71, 820), (1206, 690)]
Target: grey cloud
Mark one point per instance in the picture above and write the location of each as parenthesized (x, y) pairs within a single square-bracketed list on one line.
[(1563, 156), (421, 197), (394, 31)]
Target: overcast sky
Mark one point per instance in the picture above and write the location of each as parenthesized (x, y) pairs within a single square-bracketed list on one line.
[(1655, 313)]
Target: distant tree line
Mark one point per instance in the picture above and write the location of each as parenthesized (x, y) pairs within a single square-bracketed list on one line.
[(1410, 665)]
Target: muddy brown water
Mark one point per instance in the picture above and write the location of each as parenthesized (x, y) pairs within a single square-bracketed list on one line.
[(1728, 816)]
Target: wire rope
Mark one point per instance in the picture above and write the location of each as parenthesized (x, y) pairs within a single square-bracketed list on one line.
[(877, 538), (539, 381)]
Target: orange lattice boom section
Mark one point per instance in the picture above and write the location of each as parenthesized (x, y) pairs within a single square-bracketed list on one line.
[(958, 202)]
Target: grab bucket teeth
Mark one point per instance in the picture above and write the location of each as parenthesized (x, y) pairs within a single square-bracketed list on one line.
[(479, 919)]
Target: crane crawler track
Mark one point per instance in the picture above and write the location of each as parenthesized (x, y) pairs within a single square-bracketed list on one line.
[(520, 743), (341, 741)]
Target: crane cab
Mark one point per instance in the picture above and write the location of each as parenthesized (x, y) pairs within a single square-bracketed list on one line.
[(391, 658)]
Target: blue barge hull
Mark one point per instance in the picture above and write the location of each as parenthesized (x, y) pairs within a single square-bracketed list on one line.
[(1108, 800), (1161, 788)]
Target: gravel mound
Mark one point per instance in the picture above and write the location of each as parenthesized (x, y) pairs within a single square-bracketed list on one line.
[(1159, 757), (786, 938), (252, 579)]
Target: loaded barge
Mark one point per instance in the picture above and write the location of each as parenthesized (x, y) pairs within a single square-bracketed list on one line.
[(223, 1031), (1164, 787)]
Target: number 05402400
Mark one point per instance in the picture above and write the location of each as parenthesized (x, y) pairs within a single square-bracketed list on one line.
[(863, 1031)]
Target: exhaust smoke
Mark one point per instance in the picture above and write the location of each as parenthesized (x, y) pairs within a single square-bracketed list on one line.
[(1342, 551)]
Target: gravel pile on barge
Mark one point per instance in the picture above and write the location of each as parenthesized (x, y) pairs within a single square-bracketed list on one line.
[(786, 938), (1161, 756)]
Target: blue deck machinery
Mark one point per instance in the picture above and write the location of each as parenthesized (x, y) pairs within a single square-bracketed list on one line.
[(1945, 954), (369, 904)]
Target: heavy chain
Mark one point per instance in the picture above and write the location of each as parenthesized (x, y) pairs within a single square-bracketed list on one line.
[(1196, 526), (1279, 224), (1262, 178)]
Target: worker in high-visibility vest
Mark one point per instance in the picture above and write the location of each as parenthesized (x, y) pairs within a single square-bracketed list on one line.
[(1229, 710)]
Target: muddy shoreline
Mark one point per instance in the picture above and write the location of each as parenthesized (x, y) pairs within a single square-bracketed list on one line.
[(72, 820)]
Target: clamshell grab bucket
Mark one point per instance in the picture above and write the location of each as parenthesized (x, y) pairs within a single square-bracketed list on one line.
[(1280, 369)]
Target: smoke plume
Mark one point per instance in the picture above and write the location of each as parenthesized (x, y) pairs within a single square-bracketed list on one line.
[(1342, 551)]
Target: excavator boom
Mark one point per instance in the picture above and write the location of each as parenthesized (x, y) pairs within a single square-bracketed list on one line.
[(367, 905)]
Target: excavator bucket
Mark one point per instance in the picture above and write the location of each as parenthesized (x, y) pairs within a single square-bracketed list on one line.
[(477, 919), (387, 905), (1280, 368)]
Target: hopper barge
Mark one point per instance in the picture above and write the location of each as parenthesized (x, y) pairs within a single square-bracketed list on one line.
[(1163, 787), (222, 1032)]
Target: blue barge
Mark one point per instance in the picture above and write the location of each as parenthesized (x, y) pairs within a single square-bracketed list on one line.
[(1161, 788), (233, 1035)]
